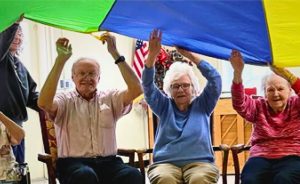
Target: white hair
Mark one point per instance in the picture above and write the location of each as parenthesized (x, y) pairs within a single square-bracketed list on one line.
[(88, 59), (176, 70), (266, 78)]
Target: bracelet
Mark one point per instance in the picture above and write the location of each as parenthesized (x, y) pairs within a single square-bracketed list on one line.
[(120, 60)]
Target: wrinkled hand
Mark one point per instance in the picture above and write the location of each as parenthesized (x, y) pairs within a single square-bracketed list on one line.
[(64, 49), (111, 44), (184, 52), (286, 74), (236, 61), (189, 55), (154, 43)]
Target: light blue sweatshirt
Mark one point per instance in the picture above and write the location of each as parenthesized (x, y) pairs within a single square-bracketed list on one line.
[(183, 137)]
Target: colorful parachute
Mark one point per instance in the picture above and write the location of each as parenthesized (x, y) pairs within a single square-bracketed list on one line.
[(265, 32)]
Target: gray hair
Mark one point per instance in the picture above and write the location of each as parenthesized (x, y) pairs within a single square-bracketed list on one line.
[(85, 58), (176, 70), (266, 78)]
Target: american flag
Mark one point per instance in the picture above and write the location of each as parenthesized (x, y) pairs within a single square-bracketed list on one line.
[(140, 56)]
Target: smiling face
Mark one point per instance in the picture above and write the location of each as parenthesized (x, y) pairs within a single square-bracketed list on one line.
[(181, 91), (16, 43), (277, 92), (86, 75)]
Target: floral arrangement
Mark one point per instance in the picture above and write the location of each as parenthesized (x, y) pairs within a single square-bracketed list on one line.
[(165, 59)]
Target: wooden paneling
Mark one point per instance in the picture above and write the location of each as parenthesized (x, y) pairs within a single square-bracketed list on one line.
[(229, 128)]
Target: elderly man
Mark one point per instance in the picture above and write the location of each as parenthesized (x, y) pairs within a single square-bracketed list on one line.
[(85, 119)]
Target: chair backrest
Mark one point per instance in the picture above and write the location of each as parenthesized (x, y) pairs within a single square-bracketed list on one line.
[(48, 135), (50, 146)]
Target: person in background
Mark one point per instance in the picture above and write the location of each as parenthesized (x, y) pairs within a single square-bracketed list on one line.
[(10, 134), (183, 149), (18, 89), (275, 140), (85, 119)]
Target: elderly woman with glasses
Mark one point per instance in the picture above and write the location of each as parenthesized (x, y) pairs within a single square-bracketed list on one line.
[(183, 149)]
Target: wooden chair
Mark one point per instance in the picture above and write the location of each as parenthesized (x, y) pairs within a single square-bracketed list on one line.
[(235, 150), (143, 163), (49, 157)]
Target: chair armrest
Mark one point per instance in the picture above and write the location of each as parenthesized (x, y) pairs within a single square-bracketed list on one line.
[(144, 151), (47, 159), (130, 153), (125, 152), (222, 147), (142, 162), (240, 147), (237, 148)]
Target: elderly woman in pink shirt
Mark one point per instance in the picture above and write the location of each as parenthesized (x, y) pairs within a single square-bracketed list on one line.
[(275, 152)]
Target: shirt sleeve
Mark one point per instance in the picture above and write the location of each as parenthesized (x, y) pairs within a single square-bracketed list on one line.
[(6, 37), (213, 88), (242, 103), (33, 94), (153, 96), (118, 107), (61, 100)]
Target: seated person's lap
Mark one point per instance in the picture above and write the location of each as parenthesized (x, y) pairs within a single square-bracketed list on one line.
[(267, 170), (106, 169), (165, 172)]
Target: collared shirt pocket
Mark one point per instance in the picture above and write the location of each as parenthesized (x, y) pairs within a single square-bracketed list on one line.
[(106, 116)]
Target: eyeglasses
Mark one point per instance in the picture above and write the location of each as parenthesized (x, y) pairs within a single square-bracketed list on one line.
[(86, 74), (184, 86)]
